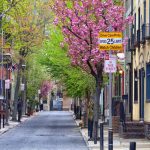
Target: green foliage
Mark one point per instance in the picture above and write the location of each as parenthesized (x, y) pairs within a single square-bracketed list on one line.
[(25, 22), (118, 2), (32, 103), (35, 74), (54, 56)]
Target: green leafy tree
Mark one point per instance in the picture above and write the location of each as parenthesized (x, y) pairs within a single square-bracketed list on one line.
[(36, 74), (55, 57), (25, 25)]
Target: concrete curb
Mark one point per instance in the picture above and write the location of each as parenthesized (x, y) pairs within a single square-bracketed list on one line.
[(84, 138)]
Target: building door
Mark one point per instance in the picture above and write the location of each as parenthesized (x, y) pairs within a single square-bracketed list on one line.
[(141, 102)]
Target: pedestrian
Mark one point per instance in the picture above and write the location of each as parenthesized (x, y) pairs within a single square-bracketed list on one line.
[(41, 105), (19, 108)]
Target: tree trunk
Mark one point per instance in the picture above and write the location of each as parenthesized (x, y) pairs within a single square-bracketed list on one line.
[(14, 114), (87, 99), (25, 96), (80, 108), (96, 112), (75, 108), (99, 80)]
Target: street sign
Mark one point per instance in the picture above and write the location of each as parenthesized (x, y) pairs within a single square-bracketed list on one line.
[(7, 84), (110, 66), (110, 41), (22, 87)]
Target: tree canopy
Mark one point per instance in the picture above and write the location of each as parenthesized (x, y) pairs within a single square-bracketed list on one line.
[(54, 56)]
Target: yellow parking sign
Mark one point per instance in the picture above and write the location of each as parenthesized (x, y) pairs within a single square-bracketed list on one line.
[(110, 41)]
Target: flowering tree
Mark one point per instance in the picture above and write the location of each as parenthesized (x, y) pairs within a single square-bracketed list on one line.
[(81, 21), (45, 88)]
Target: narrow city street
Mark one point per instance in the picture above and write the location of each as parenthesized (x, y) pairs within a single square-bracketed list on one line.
[(46, 131)]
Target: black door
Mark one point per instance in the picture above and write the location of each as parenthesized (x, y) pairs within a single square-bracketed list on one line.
[(141, 102)]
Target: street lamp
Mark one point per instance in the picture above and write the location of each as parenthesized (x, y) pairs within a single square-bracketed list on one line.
[(7, 87), (121, 71), (7, 61), (23, 89)]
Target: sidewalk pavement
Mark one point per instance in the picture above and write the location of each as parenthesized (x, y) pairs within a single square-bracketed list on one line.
[(118, 142), (13, 124)]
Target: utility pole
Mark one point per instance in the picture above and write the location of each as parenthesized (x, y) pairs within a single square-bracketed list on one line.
[(110, 130), (23, 90)]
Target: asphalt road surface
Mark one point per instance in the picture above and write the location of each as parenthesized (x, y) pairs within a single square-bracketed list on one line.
[(47, 131)]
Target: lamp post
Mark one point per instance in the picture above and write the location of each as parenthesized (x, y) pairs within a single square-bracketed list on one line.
[(23, 90), (7, 87), (39, 92), (7, 62)]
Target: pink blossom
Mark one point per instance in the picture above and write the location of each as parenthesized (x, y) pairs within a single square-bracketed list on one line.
[(55, 21), (45, 88), (82, 24)]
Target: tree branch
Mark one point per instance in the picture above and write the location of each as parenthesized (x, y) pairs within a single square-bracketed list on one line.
[(91, 68), (13, 4), (76, 34)]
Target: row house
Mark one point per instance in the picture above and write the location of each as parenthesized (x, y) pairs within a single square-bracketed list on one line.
[(5, 76), (138, 67)]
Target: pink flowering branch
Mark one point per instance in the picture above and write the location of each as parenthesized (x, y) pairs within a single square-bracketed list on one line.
[(45, 88), (81, 24)]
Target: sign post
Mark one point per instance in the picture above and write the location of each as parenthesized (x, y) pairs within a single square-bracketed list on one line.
[(109, 41)]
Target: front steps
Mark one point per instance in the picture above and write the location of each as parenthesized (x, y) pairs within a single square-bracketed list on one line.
[(133, 130)]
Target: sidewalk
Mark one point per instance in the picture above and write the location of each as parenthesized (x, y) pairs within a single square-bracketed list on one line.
[(12, 124), (118, 143)]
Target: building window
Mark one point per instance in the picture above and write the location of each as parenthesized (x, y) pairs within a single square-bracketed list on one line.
[(134, 24), (117, 89), (139, 19), (135, 86), (144, 12), (148, 81)]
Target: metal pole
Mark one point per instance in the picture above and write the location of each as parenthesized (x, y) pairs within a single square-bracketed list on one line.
[(7, 111), (132, 145), (23, 91), (3, 120), (7, 103), (110, 132), (101, 136), (2, 92), (0, 120), (39, 92)]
